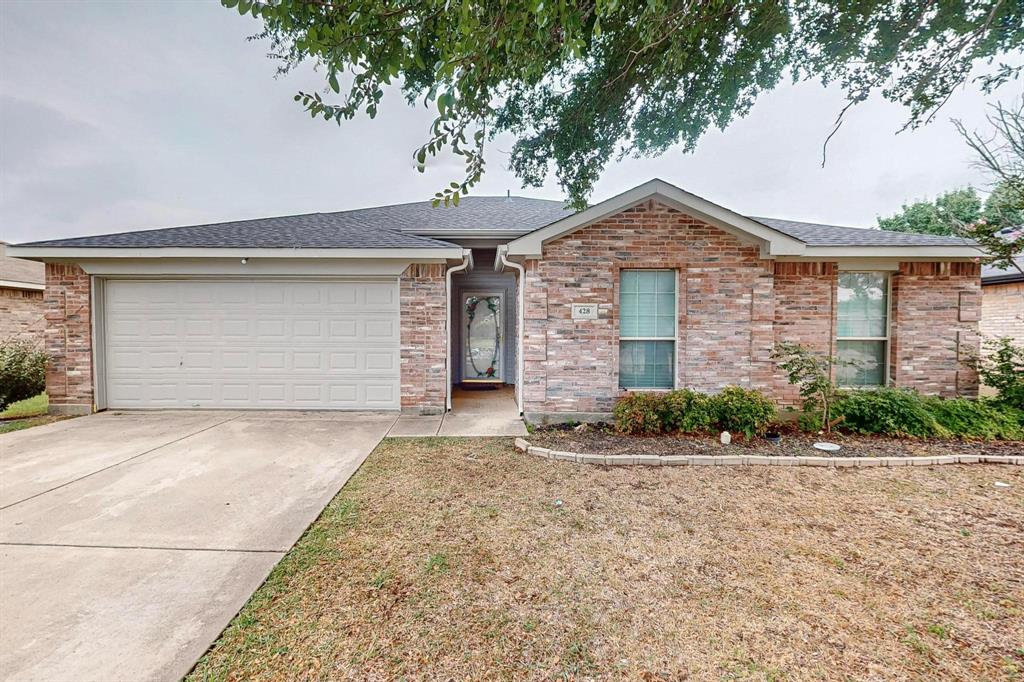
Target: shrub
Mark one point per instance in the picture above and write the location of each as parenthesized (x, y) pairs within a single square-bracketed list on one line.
[(890, 411), (640, 413), (1002, 368), (22, 371), (744, 411), (981, 419), (689, 412)]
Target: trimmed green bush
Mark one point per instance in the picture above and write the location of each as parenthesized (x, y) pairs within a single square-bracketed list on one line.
[(981, 419), (688, 411), (745, 411), (22, 371), (735, 409), (640, 414), (889, 411)]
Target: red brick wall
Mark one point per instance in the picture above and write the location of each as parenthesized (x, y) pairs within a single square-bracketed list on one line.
[(724, 296), (423, 338), (805, 295), (21, 313), (935, 312), (733, 308), (68, 339), (1002, 310)]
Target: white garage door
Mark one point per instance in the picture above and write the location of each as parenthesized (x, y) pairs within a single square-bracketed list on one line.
[(252, 344)]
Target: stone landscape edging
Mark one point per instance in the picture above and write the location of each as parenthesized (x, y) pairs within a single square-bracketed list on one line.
[(748, 460)]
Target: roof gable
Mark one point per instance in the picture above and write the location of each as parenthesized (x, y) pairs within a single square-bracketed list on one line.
[(773, 242)]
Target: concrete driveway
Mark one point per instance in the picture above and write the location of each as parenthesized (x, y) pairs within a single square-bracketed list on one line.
[(129, 540)]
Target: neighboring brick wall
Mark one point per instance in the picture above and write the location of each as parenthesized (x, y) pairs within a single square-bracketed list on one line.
[(21, 314), (423, 338), (805, 295), (68, 339), (1002, 310), (724, 296), (935, 312)]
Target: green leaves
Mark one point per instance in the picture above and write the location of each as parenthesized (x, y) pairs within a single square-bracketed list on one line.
[(577, 84)]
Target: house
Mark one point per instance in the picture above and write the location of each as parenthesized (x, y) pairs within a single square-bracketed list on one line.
[(652, 289), (1002, 302), (21, 297)]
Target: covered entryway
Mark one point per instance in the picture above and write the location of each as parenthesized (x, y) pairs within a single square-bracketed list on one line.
[(234, 343)]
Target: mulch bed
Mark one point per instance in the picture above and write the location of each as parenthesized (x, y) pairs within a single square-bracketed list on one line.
[(602, 439)]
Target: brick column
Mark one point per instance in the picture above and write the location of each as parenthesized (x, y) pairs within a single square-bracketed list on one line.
[(68, 339), (424, 345), (935, 311), (804, 313)]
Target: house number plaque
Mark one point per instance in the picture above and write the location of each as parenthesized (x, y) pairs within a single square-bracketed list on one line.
[(584, 311)]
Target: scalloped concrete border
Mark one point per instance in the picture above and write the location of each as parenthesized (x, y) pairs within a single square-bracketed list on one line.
[(745, 460)]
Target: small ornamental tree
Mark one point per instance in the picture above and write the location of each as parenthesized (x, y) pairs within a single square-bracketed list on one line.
[(1002, 368), (812, 372)]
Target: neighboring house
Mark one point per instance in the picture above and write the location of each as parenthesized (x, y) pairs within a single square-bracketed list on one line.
[(21, 297), (1002, 302), (652, 289)]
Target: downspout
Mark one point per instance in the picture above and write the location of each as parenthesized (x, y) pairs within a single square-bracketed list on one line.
[(520, 317), (467, 260)]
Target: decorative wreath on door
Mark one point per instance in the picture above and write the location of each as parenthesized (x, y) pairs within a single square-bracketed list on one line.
[(492, 305)]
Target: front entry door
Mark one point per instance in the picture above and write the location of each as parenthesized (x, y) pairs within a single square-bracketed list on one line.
[(483, 337)]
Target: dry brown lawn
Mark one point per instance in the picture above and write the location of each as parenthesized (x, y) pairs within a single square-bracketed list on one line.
[(463, 559)]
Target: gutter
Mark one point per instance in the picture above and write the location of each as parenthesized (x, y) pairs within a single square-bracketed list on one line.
[(520, 318), (467, 261)]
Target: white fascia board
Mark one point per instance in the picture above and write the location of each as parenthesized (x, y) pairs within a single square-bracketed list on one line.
[(70, 253), (774, 243), (12, 284), (905, 253)]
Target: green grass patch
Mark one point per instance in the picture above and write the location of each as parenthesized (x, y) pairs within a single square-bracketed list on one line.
[(30, 407)]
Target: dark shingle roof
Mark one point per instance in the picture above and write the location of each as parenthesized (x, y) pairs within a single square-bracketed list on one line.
[(404, 226), (815, 234), (379, 227), (515, 214), (994, 275)]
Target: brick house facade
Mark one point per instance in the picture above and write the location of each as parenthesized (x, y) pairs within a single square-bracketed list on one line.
[(733, 307), (740, 286), (21, 298)]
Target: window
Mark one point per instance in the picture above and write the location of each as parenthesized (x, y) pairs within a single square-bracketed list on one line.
[(647, 328), (863, 328)]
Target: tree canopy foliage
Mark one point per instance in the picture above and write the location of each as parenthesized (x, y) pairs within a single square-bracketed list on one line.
[(944, 216), (578, 83), (998, 224)]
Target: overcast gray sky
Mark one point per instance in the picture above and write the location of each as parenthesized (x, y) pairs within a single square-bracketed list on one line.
[(130, 115)]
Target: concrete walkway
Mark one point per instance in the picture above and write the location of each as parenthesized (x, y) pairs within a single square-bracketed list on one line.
[(474, 413), (129, 540)]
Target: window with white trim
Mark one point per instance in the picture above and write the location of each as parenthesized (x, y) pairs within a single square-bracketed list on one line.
[(647, 329), (862, 328)]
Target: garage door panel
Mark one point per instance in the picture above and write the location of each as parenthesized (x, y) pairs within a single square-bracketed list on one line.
[(311, 345)]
